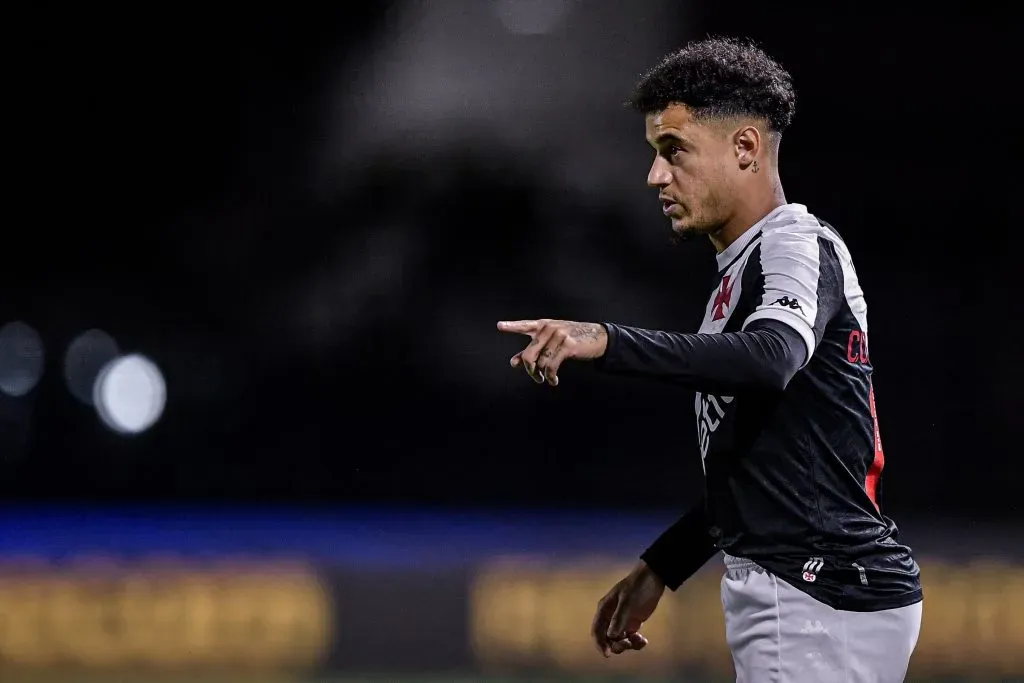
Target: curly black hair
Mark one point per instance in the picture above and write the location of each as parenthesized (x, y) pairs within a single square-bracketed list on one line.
[(719, 78)]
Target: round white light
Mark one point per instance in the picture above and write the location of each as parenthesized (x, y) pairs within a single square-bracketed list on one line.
[(130, 394)]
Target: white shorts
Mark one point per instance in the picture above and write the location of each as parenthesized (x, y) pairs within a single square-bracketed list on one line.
[(779, 634)]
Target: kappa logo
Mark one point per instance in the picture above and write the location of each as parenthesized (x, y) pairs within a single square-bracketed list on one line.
[(812, 568), (787, 302)]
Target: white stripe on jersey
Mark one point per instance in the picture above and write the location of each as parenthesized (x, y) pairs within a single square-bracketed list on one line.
[(790, 264)]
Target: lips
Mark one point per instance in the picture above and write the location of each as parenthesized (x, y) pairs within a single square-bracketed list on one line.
[(668, 206)]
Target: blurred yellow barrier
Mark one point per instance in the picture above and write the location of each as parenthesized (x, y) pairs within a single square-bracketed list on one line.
[(526, 614), (163, 615), (534, 615)]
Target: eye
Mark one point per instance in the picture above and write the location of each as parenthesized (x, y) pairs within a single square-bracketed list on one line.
[(672, 151)]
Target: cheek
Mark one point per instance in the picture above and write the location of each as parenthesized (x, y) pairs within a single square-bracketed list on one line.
[(691, 181), (685, 178), (714, 182)]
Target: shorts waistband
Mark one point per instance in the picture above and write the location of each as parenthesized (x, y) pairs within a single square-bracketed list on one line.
[(733, 562)]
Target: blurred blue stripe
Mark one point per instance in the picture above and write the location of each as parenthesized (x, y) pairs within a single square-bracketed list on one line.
[(386, 537)]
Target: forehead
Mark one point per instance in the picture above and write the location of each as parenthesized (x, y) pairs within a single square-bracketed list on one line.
[(675, 120)]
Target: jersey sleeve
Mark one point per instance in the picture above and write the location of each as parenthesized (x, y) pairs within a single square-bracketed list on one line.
[(682, 549), (766, 355), (800, 284)]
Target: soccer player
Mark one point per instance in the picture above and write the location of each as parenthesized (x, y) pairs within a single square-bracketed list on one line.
[(817, 586)]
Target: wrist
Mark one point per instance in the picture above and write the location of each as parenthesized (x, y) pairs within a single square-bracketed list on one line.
[(608, 335), (644, 571)]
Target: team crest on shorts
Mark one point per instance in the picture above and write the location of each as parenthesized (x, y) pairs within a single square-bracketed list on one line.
[(811, 569)]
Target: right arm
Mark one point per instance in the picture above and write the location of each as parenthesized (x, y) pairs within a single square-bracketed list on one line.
[(674, 557), (685, 546)]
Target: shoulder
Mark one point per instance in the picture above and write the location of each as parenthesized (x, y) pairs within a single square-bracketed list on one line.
[(792, 228), (793, 235)]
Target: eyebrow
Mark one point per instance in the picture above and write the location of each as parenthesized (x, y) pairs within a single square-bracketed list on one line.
[(662, 138)]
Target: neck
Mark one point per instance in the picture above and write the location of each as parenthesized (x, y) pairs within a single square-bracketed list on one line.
[(752, 207)]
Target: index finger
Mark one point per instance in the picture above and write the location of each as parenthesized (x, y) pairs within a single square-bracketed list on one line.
[(519, 326), (599, 628)]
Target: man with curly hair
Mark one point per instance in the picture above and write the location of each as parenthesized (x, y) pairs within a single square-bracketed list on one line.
[(817, 585)]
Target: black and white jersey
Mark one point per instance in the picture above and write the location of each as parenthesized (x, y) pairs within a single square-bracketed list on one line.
[(792, 469)]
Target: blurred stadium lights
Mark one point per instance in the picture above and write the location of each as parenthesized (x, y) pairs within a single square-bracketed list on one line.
[(128, 391), (86, 356), (531, 17), (21, 358), (130, 394)]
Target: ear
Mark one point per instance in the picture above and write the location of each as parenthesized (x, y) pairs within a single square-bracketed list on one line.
[(747, 142)]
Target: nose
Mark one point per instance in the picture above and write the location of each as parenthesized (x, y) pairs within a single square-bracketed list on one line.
[(660, 175)]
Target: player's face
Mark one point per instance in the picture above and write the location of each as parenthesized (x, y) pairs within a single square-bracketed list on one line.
[(691, 171)]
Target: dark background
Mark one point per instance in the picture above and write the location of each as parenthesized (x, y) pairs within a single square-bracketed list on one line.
[(311, 220)]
